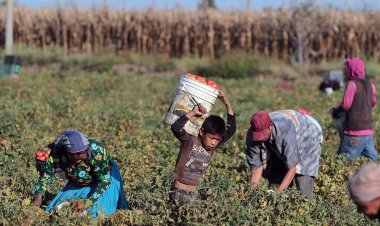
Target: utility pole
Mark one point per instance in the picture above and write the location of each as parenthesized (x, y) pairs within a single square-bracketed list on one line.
[(9, 28)]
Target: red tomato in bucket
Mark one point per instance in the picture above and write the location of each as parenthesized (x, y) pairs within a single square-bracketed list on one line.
[(39, 153), (213, 84), (200, 79), (191, 76)]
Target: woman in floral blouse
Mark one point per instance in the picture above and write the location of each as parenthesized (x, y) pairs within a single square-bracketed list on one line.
[(91, 175)]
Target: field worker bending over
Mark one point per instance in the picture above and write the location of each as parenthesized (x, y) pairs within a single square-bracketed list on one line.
[(291, 137), (358, 100), (91, 174), (196, 152), (364, 188)]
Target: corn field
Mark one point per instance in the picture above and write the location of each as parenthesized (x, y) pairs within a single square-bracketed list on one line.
[(291, 35)]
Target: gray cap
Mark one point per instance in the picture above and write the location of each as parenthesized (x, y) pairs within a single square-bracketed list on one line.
[(364, 185), (71, 141)]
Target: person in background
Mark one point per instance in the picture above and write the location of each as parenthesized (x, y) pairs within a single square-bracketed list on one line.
[(332, 81), (329, 86), (196, 152), (284, 144), (364, 189), (358, 100), (92, 175)]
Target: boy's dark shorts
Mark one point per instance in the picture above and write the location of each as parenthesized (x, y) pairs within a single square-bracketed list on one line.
[(180, 197)]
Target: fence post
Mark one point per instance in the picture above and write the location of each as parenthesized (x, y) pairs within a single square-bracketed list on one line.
[(9, 28)]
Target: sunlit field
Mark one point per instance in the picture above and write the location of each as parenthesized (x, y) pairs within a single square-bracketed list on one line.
[(125, 110)]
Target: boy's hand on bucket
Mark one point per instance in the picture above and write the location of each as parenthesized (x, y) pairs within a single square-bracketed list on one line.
[(223, 98), (199, 110), (226, 102)]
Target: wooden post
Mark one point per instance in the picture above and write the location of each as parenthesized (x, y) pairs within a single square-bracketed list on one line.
[(9, 28)]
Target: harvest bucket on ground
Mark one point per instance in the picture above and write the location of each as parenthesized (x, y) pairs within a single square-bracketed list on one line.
[(12, 66), (182, 103)]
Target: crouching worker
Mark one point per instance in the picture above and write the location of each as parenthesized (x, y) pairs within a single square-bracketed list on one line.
[(364, 188), (94, 179), (196, 152), (291, 138)]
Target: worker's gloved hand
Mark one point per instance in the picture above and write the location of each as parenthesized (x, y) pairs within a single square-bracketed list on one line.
[(336, 111), (40, 166)]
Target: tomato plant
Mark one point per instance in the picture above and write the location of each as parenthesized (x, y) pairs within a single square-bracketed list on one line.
[(125, 112)]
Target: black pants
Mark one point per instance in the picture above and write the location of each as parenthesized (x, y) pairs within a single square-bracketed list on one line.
[(276, 171)]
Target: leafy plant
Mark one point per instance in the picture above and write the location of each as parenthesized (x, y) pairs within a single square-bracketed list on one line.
[(126, 113)]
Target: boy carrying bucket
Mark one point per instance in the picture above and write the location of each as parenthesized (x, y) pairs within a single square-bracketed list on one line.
[(196, 152)]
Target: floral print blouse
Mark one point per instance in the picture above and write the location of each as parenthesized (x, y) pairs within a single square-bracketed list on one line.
[(96, 167)]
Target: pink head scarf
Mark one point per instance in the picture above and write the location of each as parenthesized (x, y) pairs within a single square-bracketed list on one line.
[(354, 68), (364, 185)]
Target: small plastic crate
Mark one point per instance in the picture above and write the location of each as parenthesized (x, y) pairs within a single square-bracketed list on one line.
[(12, 66)]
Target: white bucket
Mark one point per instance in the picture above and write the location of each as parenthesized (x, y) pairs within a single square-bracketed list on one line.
[(182, 103)]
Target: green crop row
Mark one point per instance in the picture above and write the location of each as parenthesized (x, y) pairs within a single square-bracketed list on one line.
[(126, 113)]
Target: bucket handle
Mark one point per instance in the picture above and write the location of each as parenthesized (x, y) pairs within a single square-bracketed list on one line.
[(191, 97)]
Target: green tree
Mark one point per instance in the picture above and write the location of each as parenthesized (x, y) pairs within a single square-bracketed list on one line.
[(207, 4), (4, 2)]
